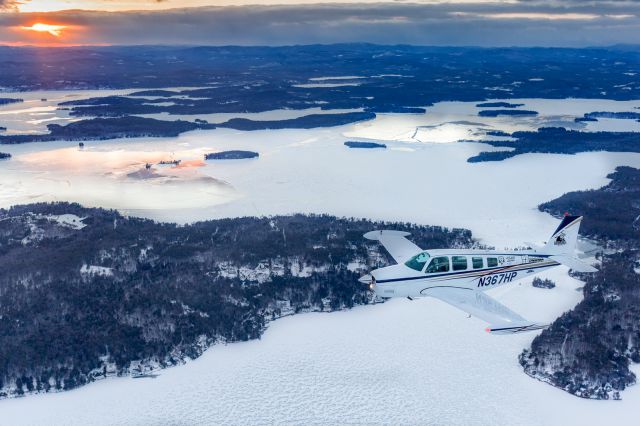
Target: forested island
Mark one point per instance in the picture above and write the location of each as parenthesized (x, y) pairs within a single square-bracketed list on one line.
[(396, 109), (588, 350), (107, 128), (366, 145), (558, 140), (497, 133), (305, 122), (7, 101), (231, 155), (87, 293), (498, 105), (4, 155), (626, 115), (584, 119), (102, 128), (498, 112)]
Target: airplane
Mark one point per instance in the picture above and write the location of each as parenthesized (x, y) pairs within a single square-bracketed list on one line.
[(460, 277)]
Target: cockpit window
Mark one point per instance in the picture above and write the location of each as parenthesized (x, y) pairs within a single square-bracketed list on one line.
[(438, 264), (417, 262)]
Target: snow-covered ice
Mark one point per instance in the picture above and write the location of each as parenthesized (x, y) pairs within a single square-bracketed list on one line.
[(341, 77), (323, 85), (400, 362)]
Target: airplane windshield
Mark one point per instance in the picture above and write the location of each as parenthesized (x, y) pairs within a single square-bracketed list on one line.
[(417, 262)]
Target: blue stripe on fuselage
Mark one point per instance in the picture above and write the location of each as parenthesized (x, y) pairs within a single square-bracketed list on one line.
[(422, 277)]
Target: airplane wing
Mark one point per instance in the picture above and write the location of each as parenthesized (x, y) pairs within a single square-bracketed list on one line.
[(395, 243), (501, 319)]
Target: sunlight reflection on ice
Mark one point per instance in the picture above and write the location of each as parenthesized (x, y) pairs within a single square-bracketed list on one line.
[(118, 179)]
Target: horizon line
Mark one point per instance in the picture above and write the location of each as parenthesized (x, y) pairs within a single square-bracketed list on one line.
[(443, 46)]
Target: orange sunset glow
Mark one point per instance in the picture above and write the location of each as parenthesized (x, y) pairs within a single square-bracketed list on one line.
[(54, 30)]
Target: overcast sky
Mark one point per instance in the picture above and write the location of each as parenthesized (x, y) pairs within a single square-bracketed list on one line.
[(484, 23)]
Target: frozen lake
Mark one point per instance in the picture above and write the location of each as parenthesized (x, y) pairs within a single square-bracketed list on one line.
[(400, 362), (421, 177)]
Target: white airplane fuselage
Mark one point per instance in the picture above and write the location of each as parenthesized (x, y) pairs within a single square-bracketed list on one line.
[(469, 269), (460, 277)]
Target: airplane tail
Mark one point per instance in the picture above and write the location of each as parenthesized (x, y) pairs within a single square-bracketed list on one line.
[(562, 244), (563, 241)]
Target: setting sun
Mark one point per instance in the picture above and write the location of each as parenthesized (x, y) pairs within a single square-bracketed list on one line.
[(54, 30)]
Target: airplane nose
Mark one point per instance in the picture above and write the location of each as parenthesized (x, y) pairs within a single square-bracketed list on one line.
[(366, 279), (369, 280)]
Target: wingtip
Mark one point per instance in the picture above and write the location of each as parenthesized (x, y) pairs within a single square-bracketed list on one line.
[(514, 329), (379, 233)]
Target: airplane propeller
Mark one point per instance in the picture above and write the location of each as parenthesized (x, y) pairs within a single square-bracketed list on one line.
[(368, 279)]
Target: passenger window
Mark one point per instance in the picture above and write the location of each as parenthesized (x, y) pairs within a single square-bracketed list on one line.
[(492, 262), (459, 263), (417, 262), (477, 263), (438, 264)]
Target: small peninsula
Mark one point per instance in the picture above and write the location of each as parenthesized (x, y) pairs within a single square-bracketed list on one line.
[(558, 140)]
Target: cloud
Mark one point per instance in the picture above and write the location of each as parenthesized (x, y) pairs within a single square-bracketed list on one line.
[(536, 16), (8, 4), (525, 23)]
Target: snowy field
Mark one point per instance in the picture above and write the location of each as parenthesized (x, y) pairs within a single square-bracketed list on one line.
[(401, 362)]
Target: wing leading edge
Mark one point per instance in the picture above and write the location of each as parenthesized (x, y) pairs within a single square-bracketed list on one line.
[(501, 319), (396, 243)]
